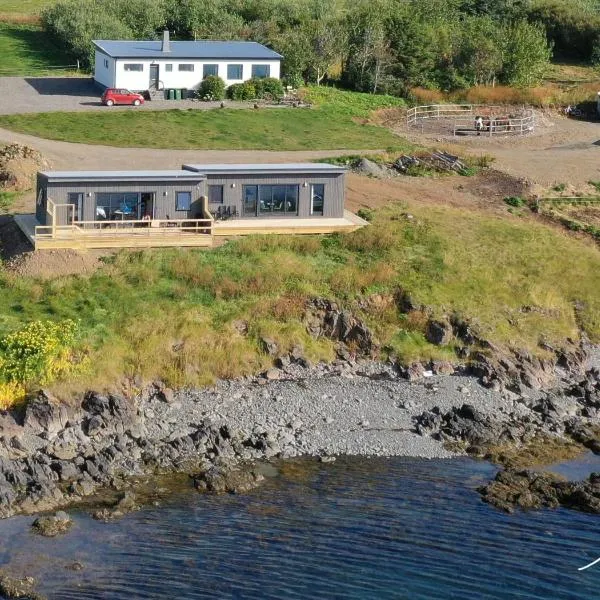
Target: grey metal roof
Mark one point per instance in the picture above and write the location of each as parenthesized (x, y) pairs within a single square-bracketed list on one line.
[(121, 175), (264, 169), (187, 50)]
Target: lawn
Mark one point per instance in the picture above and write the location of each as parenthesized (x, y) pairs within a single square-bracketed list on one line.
[(23, 7), (337, 121), (26, 50), (172, 313)]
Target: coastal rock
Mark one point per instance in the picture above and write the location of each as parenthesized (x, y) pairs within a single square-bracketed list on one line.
[(439, 333), (13, 587), (533, 490), (228, 480), (53, 525), (269, 346)]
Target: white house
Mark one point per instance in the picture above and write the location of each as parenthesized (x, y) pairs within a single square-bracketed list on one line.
[(143, 65)]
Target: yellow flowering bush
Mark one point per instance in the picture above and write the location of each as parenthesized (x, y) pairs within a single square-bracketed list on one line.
[(41, 352), (11, 393)]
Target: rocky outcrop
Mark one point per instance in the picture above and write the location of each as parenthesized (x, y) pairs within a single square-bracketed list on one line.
[(14, 587), (324, 318), (525, 489), (227, 480), (52, 525)]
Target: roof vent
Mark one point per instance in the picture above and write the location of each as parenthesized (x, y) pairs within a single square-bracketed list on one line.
[(166, 44)]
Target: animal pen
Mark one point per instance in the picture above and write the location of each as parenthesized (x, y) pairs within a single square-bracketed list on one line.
[(471, 119)]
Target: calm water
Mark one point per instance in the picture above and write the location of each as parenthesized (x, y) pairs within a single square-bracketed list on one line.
[(400, 528)]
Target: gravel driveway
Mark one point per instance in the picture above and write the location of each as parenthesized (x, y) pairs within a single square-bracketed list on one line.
[(48, 94)]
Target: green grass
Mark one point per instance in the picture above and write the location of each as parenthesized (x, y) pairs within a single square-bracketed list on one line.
[(6, 200), (26, 50), (333, 124), (23, 7), (171, 313)]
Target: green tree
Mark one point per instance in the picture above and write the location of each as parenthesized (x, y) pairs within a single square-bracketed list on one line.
[(526, 54)]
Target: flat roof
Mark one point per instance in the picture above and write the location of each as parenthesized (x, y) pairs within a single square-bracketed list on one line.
[(264, 168), (210, 49), (121, 175)]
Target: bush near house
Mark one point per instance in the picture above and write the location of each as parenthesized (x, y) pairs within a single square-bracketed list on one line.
[(212, 88), (241, 91), (268, 88)]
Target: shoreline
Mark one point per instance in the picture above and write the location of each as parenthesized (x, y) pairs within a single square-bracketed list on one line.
[(61, 455)]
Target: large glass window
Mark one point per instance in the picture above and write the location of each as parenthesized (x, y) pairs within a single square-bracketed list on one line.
[(317, 197), (185, 67), (278, 199), (114, 206), (261, 71), (168, 67), (209, 70), (133, 66), (215, 194), (183, 200), (235, 72)]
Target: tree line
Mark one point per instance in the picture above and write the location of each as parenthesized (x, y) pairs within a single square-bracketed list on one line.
[(368, 45)]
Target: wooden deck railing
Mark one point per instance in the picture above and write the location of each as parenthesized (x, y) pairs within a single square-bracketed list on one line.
[(113, 229)]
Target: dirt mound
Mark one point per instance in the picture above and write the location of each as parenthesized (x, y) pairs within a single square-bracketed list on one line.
[(48, 264), (18, 166)]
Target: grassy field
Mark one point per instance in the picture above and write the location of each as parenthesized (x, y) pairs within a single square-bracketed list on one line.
[(24, 7), (25, 50), (337, 121), (171, 313)]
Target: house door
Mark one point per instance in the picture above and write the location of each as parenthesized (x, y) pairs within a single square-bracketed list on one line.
[(153, 77), (76, 200), (146, 205), (250, 194)]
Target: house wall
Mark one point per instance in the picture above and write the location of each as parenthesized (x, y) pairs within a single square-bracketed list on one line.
[(104, 69), (333, 198), (140, 80), (164, 204), (40, 200)]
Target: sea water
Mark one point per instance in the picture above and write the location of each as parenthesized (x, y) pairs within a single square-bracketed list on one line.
[(354, 529)]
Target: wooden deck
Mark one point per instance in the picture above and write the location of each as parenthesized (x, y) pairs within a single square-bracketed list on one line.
[(201, 234), (349, 222)]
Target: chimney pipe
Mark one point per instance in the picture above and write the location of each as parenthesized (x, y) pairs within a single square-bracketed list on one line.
[(166, 45)]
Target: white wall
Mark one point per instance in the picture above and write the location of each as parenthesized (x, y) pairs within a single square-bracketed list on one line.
[(104, 74), (139, 80)]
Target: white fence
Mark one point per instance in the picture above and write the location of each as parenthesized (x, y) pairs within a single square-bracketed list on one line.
[(460, 119)]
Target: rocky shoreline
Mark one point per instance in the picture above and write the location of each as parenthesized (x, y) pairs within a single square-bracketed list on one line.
[(54, 454)]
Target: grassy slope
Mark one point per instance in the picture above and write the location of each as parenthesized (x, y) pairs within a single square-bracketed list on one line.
[(337, 122), (23, 6), (142, 305), (25, 50)]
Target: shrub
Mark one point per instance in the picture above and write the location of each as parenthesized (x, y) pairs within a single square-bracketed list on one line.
[(366, 213), (41, 352), (294, 80), (515, 201), (11, 394), (268, 88), (212, 88), (242, 91)]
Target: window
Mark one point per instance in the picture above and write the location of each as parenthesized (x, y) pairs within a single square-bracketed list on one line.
[(215, 194), (106, 63), (261, 71), (168, 68), (115, 206), (317, 194), (186, 67), (183, 200), (76, 199), (277, 200), (133, 66), (209, 70), (234, 72)]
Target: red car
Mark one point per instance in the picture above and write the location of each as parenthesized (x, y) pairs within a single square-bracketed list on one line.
[(120, 96)]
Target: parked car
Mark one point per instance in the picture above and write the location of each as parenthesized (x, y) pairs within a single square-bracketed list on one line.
[(120, 96)]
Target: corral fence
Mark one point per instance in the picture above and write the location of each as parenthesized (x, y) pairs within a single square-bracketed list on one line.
[(471, 119)]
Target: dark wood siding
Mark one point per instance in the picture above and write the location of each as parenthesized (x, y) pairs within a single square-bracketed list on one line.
[(40, 199), (334, 190), (165, 193)]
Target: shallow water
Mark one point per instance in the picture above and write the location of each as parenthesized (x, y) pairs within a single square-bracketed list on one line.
[(355, 529)]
